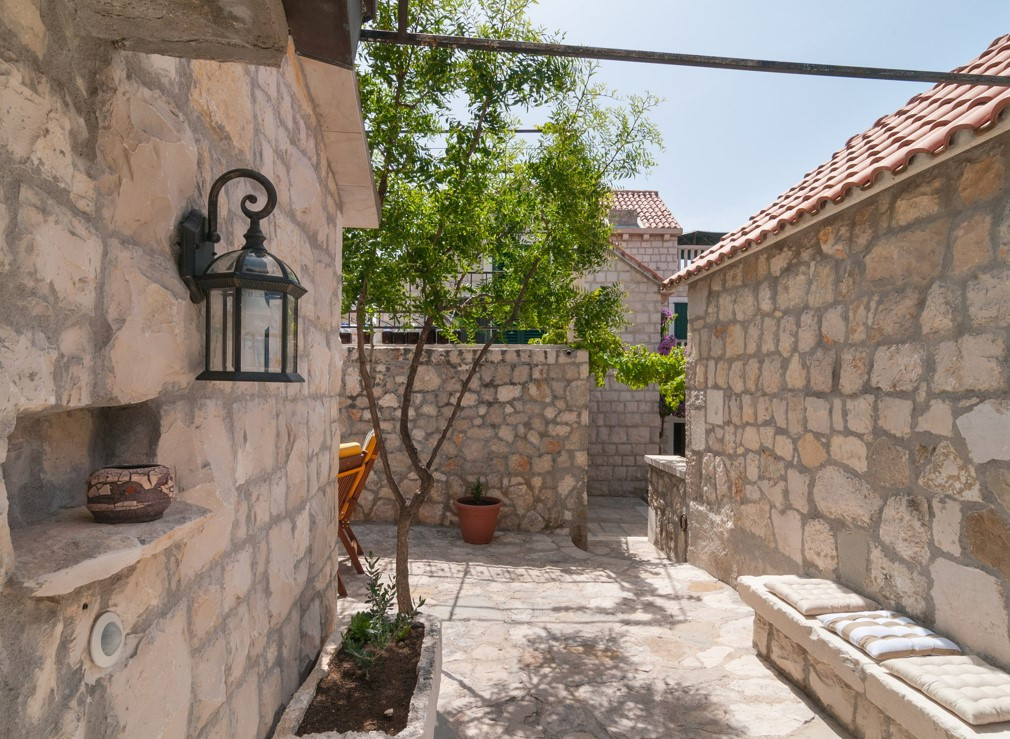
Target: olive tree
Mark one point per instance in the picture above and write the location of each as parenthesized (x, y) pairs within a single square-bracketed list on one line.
[(461, 188)]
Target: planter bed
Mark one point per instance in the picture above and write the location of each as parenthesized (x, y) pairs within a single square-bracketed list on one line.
[(420, 719)]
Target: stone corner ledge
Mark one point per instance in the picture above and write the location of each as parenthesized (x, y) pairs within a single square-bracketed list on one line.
[(671, 463), (70, 550)]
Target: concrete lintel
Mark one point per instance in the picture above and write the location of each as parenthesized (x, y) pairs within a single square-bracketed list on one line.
[(334, 92), (246, 31)]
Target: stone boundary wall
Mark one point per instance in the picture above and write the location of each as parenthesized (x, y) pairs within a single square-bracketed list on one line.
[(522, 430), (103, 152), (848, 402), (667, 504), (624, 423)]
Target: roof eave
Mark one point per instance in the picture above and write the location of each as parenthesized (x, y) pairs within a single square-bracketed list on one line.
[(673, 231), (963, 142)]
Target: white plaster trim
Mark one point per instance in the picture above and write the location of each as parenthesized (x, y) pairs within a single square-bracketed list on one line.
[(920, 163), (632, 231)]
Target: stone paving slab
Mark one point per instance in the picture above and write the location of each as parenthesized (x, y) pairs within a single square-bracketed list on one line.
[(545, 640)]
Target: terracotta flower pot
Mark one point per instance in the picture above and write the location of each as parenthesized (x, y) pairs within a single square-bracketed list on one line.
[(477, 521), (130, 494)]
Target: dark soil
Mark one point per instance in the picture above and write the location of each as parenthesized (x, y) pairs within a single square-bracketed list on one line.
[(349, 699), (469, 500)]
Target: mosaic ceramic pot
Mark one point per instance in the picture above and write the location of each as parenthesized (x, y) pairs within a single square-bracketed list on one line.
[(130, 494)]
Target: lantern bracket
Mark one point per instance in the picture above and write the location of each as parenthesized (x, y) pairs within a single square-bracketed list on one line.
[(196, 254), (199, 233)]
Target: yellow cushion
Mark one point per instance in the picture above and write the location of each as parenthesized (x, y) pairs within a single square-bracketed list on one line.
[(349, 450)]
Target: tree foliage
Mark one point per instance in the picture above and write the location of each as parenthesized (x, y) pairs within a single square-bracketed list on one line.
[(462, 192)]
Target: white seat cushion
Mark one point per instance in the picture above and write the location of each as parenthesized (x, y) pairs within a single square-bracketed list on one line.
[(974, 690), (888, 635), (811, 596)]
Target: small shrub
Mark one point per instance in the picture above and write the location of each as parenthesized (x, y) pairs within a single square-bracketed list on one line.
[(371, 632), (477, 492)]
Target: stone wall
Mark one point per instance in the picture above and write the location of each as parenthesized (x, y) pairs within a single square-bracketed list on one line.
[(848, 402), (658, 250), (103, 152), (522, 430), (668, 505), (624, 423)]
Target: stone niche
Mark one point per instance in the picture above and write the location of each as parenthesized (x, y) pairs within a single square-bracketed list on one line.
[(50, 455)]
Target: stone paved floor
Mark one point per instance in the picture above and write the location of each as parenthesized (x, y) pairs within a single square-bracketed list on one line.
[(544, 640)]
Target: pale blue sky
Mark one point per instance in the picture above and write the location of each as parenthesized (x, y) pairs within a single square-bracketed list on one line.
[(736, 140)]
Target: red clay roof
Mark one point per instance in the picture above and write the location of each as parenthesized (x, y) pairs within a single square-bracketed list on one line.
[(925, 125), (652, 211)]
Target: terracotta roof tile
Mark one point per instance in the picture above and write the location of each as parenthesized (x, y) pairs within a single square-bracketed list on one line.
[(652, 211), (925, 125)]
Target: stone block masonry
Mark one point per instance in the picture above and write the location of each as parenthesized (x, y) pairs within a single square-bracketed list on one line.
[(847, 401), (624, 423), (522, 430), (102, 153)]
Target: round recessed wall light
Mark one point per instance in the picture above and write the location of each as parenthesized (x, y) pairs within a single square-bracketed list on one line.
[(107, 639)]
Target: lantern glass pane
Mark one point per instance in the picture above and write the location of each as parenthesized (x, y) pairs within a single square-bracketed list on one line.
[(292, 320), (224, 263), (221, 304), (261, 330), (261, 263)]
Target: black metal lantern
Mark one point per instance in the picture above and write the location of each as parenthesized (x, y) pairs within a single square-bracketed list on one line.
[(252, 296)]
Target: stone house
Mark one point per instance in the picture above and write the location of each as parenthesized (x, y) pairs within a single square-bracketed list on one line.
[(116, 120), (848, 404), (624, 423)]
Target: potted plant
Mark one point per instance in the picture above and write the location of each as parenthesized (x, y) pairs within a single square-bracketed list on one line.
[(378, 673), (478, 515)]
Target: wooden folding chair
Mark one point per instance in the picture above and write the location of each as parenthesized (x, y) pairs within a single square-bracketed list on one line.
[(351, 478)]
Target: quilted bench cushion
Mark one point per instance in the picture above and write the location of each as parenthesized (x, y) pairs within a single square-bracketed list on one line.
[(971, 688), (888, 635), (812, 597)]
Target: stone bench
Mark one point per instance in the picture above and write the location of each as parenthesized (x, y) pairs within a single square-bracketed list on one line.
[(853, 688)]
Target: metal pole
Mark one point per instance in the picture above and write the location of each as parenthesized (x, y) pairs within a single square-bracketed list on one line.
[(401, 19), (670, 58)]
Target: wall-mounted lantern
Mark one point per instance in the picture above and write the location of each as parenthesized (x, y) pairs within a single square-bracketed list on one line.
[(252, 296)]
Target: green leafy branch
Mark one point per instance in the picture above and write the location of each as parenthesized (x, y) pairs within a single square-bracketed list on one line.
[(371, 632)]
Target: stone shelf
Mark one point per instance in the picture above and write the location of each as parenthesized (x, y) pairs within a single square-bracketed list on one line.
[(70, 550)]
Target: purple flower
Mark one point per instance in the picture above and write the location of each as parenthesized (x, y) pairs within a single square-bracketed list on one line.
[(669, 341), (667, 314)]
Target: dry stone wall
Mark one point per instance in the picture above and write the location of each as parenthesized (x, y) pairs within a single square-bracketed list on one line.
[(624, 423), (522, 430), (667, 503), (102, 153), (848, 402)]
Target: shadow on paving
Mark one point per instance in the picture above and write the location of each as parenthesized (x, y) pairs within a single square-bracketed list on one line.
[(577, 685), (647, 591), (541, 639)]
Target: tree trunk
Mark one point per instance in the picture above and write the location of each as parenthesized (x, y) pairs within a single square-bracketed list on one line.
[(403, 600), (662, 431)]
